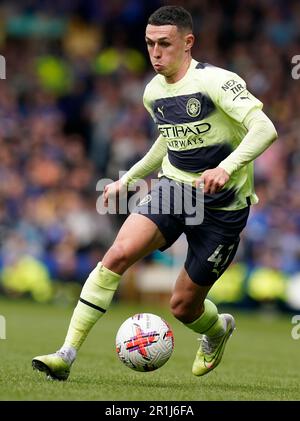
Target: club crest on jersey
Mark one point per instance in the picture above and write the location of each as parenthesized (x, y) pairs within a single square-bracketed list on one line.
[(193, 107)]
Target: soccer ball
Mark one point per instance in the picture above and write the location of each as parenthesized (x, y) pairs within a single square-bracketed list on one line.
[(144, 342)]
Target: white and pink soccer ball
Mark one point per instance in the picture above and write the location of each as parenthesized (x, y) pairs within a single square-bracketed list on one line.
[(144, 342)]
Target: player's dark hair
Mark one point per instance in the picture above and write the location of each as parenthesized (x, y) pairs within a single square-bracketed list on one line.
[(172, 15)]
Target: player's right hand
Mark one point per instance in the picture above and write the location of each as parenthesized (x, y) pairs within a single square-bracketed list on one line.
[(212, 180), (113, 190)]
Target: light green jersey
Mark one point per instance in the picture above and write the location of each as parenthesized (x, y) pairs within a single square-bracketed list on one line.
[(200, 117)]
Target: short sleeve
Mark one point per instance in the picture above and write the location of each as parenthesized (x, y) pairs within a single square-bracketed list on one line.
[(230, 93)]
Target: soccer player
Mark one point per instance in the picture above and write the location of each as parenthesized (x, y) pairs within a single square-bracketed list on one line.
[(211, 129)]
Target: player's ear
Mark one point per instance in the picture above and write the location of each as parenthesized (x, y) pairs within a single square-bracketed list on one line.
[(189, 41)]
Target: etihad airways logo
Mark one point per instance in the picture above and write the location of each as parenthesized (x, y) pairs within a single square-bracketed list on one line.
[(184, 143), (181, 130)]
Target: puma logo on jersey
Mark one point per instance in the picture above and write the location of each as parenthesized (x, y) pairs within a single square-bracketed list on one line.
[(160, 110), (245, 97)]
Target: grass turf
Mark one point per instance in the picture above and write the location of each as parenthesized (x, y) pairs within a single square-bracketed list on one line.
[(261, 360)]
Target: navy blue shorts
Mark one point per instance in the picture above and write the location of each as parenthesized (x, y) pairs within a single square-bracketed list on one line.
[(212, 243)]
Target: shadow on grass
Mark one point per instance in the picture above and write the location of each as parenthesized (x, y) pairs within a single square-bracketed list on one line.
[(122, 382)]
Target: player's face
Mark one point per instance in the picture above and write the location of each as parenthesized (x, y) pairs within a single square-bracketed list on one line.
[(168, 49)]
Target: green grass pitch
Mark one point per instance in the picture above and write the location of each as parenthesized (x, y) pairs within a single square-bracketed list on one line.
[(261, 360)]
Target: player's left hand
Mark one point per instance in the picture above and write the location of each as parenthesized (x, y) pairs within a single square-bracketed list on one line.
[(212, 180)]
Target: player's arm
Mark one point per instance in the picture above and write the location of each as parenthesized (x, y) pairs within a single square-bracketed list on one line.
[(148, 164), (151, 162), (239, 104), (261, 134)]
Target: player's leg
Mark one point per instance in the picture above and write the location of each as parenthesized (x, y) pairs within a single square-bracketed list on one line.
[(137, 237), (187, 300), (190, 306), (212, 247)]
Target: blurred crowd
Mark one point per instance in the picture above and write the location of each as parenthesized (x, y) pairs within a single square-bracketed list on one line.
[(71, 113)]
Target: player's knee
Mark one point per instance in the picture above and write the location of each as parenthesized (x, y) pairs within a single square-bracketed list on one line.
[(183, 310), (116, 258)]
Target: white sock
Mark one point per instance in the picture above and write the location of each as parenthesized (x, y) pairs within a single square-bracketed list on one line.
[(68, 353)]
